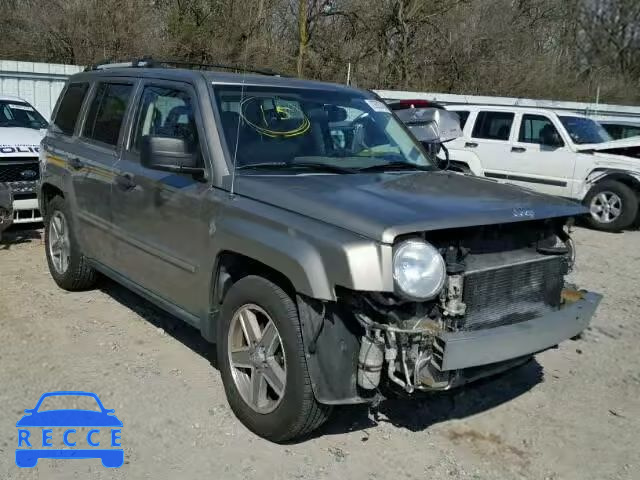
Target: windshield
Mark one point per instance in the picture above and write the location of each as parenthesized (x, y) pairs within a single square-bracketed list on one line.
[(65, 402), (289, 128), (584, 130), (18, 114)]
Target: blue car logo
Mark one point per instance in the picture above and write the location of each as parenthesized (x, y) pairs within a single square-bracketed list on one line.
[(105, 429)]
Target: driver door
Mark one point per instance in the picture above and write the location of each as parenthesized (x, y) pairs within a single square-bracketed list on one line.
[(540, 158), (158, 214)]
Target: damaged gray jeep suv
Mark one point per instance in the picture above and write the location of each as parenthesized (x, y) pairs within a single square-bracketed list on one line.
[(303, 230)]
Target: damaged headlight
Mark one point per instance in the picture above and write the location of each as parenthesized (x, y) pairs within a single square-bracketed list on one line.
[(419, 270)]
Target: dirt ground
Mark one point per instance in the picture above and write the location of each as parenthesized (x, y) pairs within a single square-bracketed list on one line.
[(573, 413)]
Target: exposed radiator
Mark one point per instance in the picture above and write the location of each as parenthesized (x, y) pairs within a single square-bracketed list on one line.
[(514, 293)]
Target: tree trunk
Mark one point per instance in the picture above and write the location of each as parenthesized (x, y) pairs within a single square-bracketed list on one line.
[(303, 35)]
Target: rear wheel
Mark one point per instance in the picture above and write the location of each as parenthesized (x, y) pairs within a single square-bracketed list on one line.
[(612, 205), (262, 362), (68, 267)]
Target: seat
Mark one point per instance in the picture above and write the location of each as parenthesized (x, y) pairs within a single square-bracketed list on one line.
[(503, 133)]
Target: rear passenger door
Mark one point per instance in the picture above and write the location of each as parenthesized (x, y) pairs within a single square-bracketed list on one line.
[(85, 152), (93, 164), (158, 214), (541, 159), (490, 137)]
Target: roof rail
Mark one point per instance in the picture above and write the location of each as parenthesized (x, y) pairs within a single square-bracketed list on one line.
[(148, 62)]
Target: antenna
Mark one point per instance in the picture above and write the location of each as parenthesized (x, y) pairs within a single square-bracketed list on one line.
[(235, 150)]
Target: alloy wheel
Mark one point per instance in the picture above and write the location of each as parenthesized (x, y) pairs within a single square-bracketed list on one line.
[(257, 359), (606, 207), (59, 243)]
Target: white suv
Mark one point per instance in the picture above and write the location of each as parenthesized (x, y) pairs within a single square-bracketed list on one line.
[(562, 154)]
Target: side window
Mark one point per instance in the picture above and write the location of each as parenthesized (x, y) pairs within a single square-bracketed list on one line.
[(166, 112), (69, 109), (493, 125), (537, 129), (463, 118), (106, 113)]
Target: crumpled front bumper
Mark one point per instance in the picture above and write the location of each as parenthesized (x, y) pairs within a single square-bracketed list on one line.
[(464, 349)]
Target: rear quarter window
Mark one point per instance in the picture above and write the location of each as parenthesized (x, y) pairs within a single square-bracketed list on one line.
[(107, 111), (67, 115)]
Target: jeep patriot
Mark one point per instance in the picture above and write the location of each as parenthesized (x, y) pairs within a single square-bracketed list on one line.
[(301, 228)]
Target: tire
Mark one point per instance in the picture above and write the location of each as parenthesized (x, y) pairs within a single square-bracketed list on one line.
[(77, 275), (626, 201), (297, 413)]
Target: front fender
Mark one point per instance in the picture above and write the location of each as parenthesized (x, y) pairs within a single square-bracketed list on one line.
[(314, 256), (601, 173), (280, 250)]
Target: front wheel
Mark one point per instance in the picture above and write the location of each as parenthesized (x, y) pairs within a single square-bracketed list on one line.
[(612, 205), (262, 362)]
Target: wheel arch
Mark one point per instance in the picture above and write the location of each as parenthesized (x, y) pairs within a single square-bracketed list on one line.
[(230, 266), (631, 180), (48, 192)]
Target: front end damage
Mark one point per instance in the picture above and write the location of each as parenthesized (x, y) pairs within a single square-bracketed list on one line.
[(505, 298)]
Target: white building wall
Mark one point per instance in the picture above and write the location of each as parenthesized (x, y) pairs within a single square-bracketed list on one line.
[(39, 84)]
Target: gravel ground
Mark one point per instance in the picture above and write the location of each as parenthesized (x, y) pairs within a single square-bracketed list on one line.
[(573, 413)]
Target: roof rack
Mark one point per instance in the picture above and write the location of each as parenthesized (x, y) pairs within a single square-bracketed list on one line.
[(148, 62)]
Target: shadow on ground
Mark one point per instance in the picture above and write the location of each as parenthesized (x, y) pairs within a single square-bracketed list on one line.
[(181, 331), (420, 413), (21, 233), (413, 414)]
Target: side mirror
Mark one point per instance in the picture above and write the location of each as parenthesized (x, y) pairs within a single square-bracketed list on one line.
[(168, 154)]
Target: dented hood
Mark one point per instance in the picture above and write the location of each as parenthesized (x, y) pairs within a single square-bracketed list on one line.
[(618, 147), (383, 206)]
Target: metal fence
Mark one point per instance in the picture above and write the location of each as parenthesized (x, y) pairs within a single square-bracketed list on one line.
[(39, 84)]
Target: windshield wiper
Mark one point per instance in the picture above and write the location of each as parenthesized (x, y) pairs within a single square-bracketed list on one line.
[(316, 166), (381, 167)]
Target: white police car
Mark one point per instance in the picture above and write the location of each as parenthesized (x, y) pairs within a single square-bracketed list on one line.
[(21, 129)]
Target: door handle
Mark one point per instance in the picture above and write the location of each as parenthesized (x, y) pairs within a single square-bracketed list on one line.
[(471, 144), (125, 182), (76, 164), (518, 149)]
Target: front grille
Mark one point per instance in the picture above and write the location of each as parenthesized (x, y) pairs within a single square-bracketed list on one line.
[(514, 293), (25, 170)]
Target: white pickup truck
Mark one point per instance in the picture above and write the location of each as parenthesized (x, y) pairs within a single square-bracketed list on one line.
[(564, 154)]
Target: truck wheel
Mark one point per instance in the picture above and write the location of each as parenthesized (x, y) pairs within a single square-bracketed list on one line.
[(613, 206), (262, 362), (68, 267)]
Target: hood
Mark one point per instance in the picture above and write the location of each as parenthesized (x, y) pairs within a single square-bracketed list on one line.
[(612, 146), (20, 142), (383, 206)]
